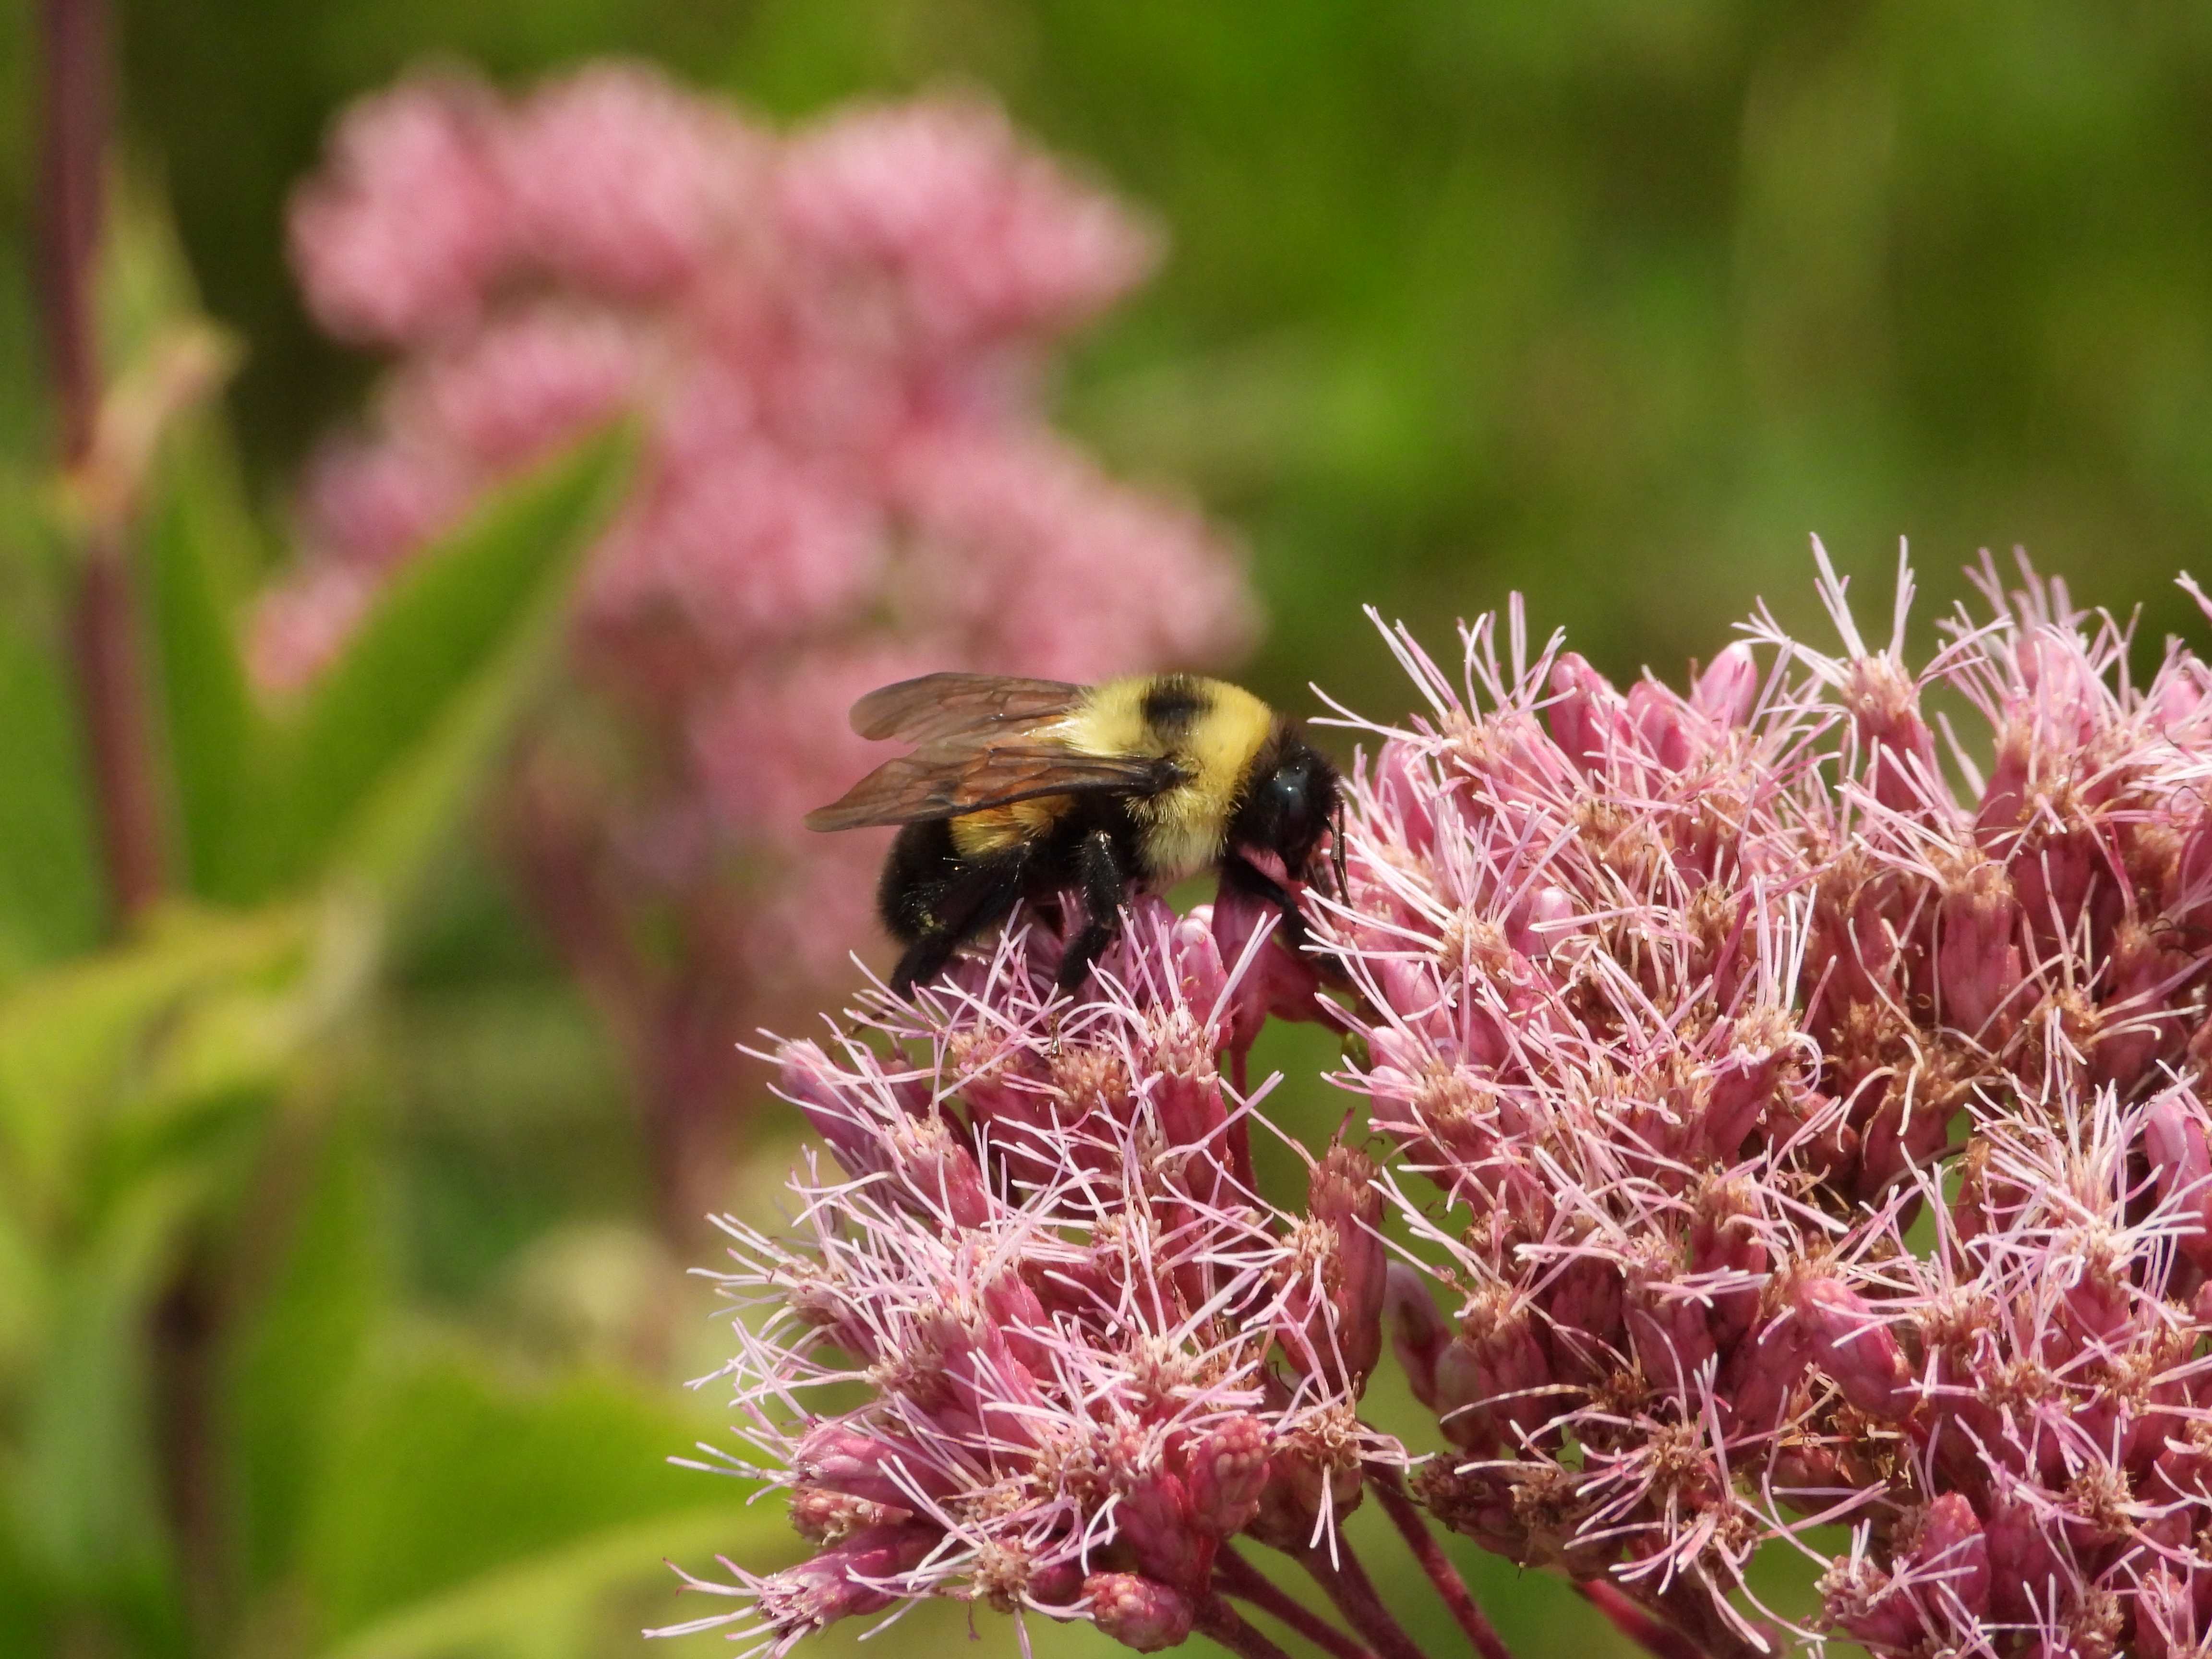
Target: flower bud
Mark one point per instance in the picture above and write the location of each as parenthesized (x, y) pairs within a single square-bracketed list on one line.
[(2146, 974), (2174, 1146), (1225, 1473), (2025, 1569), (823, 1517), (1588, 718), (1849, 1341), (1946, 1544), (2167, 1620), (1978, 960), (810, 1080), (1341, 1192), (1494, 1376), (937, 1172), (1868, 1605), (1154, 1519), (1137, 1612), (1416, 1332), (1667, 727), (833, 1584), (1886, 708), (1726, 691), (1760, 1376), (879, 1469), (1302, 1484)]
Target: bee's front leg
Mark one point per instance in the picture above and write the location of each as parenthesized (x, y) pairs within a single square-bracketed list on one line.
[(1103, 881)]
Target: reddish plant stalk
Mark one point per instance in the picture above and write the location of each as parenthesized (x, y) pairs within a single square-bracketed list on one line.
[(72, 132), (677, 1024), (1234, 1576), (111, 680), (1404, 1515), (1216, 1619), (1660, 1641), (1333, 1565), (103, 631)]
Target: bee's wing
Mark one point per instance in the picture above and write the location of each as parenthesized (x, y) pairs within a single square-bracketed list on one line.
[(969, 772), (941, 705)]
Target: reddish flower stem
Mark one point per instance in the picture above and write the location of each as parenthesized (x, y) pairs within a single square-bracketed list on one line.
[(111, 682), (1659, 1640), (1216, 1619), (678, 1025), (1406, 1515), (72, 133), (1235, 1576), (1346, 1583), (104, 620)]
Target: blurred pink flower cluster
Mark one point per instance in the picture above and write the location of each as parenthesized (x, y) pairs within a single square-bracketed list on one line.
[(834, 339), (1816, 1097), (1091, 1356)]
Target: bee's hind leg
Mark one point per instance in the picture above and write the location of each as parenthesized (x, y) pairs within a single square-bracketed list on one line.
[(1103, 881), (924, 959), (974, 900)]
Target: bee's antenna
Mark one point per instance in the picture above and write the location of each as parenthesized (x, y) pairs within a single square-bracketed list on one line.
[(1336, 851)]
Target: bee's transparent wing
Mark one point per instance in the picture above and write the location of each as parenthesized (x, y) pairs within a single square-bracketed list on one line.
[(937, 706), (969, 772)]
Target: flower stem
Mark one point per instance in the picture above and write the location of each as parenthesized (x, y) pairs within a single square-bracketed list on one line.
[(72, 133), (1235, 1576), (1216, 1619), (104, 623), (111, 681), (1339, 1573), (1659, 1640), (1406, 1515)]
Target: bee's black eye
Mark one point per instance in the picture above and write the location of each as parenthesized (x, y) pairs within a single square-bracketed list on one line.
[(1281, 817), (1287, 806)]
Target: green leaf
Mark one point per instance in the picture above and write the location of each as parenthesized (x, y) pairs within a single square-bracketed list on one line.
[(412, 679), (75, 1041), (443, 1473), (541, 1607), (52, 901), (198, 541), (85, 1499), (302, 1347)]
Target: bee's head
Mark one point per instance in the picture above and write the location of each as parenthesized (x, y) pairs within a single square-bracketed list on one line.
[(1292, 797)]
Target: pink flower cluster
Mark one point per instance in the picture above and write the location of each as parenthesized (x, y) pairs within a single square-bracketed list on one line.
[(1795, 1086), (835, 340), (1091, 1356), (1816, 1099)]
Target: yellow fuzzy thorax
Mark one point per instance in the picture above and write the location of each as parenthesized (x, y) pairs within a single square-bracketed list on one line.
[(1184, 827)]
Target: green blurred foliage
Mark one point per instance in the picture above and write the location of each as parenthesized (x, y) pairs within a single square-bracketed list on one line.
[(1610, 303), (1614, 303), (220, 1414)]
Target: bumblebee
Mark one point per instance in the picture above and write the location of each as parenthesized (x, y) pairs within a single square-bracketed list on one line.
[(1029, 789)]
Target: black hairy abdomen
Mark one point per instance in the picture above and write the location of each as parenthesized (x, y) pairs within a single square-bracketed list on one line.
[(929, 889), (920, 858)]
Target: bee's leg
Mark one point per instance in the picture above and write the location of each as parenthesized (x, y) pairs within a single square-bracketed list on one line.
[(1099, 870), (977, 898), (1250, 878), (924, 959)]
